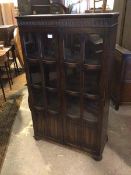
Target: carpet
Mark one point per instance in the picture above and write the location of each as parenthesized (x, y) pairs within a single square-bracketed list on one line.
[(8, 112)]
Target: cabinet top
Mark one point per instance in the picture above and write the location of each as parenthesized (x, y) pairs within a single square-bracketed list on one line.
[(85, 15), (35, 22)]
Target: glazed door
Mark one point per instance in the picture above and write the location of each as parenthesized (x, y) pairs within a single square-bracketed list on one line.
[(51, 72), (82, 72)]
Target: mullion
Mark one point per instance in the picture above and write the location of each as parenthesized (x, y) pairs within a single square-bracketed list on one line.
[(82, 50), (40, 44), (27, 68)]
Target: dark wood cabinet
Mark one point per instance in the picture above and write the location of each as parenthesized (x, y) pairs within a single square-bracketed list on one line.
[(68, 61), (121, 81)]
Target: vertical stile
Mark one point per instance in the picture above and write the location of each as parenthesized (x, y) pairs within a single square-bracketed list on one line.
[(61, 47), (40, 44), (62, 78), (58, 65), (82, 76), (26, 66), (82, 86)]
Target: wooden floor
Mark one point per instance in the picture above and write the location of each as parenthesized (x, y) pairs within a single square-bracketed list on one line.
[(18, 83)]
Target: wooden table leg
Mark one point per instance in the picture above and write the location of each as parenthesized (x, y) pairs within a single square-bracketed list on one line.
[(1, 84), (8, 74)]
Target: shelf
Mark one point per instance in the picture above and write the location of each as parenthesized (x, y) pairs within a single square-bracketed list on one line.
[(92, 67), (71, 64), (69, 60), (99, 51), (50, 61), (91, 96), (39, 108), (73, 93), (51, 89), (53, 112), (41, 5), (37, 85), (89, 117), (33, 60), (73, 116)]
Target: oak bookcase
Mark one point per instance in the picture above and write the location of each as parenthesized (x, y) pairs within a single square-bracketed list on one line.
[(68, 63)]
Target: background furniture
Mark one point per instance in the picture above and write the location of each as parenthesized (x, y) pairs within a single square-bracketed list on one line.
[(2, 87), (7, 13), (121, 82), (17, 45), (48, 7), (124, 25), (40, 7), (68, 62), (5, 65), (104, 3), (6, 34), (24, 7)]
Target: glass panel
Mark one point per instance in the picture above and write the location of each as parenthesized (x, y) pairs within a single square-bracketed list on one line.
[(91, 82), (38, 97), (93, 49), (52, 101), (73, 106), (35, 74), (72, 76), (32, 45), (50, 43), (50, 75), (72, 47), (91, 108)]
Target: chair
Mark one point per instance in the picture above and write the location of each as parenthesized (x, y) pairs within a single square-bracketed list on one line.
[(12, 58), (103, 9), (18, 48), (5, 66)]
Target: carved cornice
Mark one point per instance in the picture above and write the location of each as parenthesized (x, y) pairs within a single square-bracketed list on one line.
[(77, 22)]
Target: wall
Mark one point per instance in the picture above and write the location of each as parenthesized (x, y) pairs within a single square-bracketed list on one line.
[(126, 41), (124, 24)]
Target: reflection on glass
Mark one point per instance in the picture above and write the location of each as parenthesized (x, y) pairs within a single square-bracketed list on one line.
[(93, 49), (73, 106), (35, 74), (72, 79), (31, 45), (72, 47), (52, 101), (50, 44), (91, 108), (38, 97), (91, 82), (50, 75)]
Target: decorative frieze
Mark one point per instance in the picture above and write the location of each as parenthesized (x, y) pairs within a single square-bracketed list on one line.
[(69, 22)]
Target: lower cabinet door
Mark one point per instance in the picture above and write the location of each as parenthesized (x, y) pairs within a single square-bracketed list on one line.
[(53, 127), (72, 132), (88, 137)]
